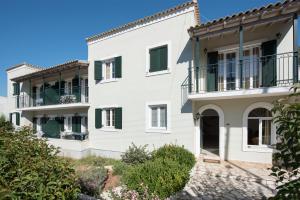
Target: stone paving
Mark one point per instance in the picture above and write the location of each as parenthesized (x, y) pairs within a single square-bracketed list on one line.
[(228, 180)]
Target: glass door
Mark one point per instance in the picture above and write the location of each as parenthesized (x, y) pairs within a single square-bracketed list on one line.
[(230, 71)]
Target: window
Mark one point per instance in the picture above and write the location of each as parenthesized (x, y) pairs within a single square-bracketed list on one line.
[(259, 127), (16, 88), (158, 59), (109, 117), (158, 116), (108, 67), (68, 124)]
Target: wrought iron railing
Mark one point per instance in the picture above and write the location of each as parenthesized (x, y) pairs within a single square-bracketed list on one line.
[(280, 70), (51, 96)]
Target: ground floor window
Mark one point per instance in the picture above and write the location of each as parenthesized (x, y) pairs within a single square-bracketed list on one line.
[(158, 117), (259, 128), (109, 117)]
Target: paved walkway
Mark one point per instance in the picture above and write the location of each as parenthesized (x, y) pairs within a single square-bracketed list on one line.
[(228, 180)]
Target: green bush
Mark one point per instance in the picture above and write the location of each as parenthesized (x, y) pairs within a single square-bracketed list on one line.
[(136, 154), (119, 168), (5, 125), (91, 180), (31, 169), (162, 177), (176, 153)]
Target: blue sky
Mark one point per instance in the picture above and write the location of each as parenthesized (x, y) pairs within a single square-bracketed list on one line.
[(49, 32)]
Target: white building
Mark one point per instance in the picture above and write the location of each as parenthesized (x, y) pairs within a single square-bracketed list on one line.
[(153, 82), (3, 106)]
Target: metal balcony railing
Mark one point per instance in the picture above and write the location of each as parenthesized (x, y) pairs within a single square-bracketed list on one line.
[(51, 96), (279, 70)]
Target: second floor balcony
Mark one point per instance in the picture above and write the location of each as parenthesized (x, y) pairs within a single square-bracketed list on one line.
[(59, 87)]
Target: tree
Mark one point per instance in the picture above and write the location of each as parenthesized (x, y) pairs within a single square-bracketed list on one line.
[(286, 168)]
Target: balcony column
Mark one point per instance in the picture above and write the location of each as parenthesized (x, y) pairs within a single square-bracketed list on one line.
[(241, 55), (197, 62), (59, 85), (43, 91), (30, 93), (190, 70), (295, 47), (79, 85)]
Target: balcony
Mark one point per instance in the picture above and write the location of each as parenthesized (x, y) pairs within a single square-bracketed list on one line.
[(229, 77), (52, 98)]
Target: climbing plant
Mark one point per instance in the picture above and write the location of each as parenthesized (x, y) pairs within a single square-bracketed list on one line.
[(286, 168)]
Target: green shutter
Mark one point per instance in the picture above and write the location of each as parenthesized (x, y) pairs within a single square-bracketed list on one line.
[(118, 67), (158, 59), (269, 63), (34, 124), (18, 101), (76, 124), (212, 71), (34, 96), (75, 88), (62, 87), (18, 119), (118, 118), (98, 118), (10, 117), (16, 88), (98, 70)]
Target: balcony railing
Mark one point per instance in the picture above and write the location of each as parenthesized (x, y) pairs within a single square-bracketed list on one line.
[(280, 70), (51, 96)]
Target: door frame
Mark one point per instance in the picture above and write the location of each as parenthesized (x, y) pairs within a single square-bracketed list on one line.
[(221, 130)]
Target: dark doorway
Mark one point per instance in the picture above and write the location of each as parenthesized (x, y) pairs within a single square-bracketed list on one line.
[(210, 131)]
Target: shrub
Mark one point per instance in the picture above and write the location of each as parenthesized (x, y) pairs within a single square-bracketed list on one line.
[(31, 169), (176, 153), (96, 161), (91, 180), (119, 168), (5, 125), (162, 177), (286, 168), (135, 155)]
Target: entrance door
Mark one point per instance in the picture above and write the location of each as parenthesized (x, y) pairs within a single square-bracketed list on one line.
[(210, 131)]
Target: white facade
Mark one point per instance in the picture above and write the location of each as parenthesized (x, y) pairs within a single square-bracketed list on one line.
[(3, 106), (130, 101)]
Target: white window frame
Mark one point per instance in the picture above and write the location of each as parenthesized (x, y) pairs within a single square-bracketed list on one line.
[(112, 69), (260, 147), (226, 51), (111, 118), (103, 60), (66, 123), (103, 114), (149, 128), (148, 48)]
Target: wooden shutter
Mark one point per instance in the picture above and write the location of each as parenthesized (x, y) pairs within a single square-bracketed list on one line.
[(76, 124), (34, 124), (62, 87), (10, 117), (98, 118), (118, 67), (118, 118), (18, 119), (16, 88), (158, 58), (98, 70), (75, 88), (269, 63), (34, 89), (212, 71)]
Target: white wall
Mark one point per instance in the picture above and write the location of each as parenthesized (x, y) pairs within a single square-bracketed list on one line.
[(233, 110), (19, 71), (134, 90), (4, 107)]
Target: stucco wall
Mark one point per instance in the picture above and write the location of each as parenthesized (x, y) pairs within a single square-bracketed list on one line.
[(3, 106), (134, 90), (233, 110)]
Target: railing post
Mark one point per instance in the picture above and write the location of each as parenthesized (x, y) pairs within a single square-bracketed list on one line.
[(197, 63), (295, 47), (241, 54)]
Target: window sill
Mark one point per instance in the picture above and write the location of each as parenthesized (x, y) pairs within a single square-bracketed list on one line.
[(108, 80), (158, 73), (259, 149), (109, 129), (153, 130)]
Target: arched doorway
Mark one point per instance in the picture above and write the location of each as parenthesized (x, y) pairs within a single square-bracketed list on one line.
[(210, 132)]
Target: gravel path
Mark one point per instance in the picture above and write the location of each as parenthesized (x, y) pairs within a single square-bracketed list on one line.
[(228, 180)]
